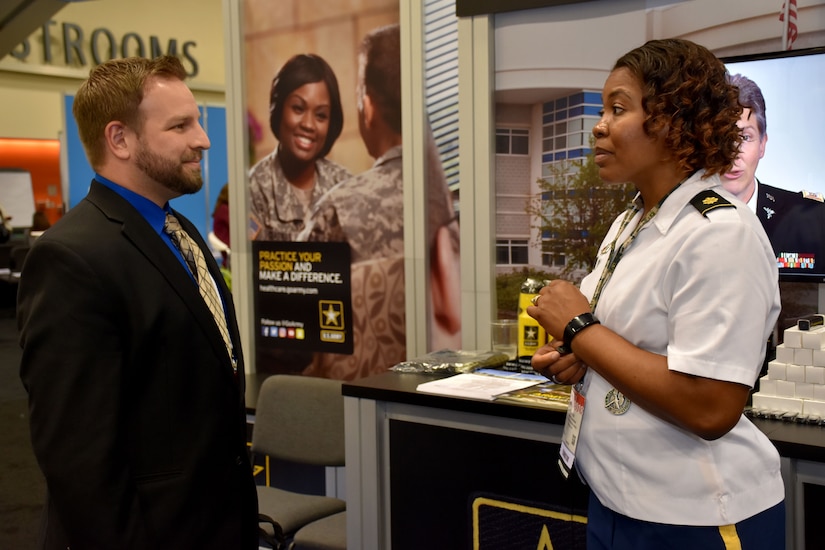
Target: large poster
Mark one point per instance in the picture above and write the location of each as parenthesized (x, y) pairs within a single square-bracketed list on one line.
[(314, 126), (326, 171)]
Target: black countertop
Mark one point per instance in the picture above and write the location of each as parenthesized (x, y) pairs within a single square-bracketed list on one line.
[(797, 441), (400, 387)]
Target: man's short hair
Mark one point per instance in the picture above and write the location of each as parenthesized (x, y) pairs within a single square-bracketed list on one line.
[(114, 91), (379, 73), (750, 97)]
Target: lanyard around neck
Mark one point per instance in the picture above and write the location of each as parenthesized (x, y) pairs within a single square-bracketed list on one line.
[(617, 253)]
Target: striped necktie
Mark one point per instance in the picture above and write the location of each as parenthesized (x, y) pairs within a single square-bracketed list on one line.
[(197, 266)]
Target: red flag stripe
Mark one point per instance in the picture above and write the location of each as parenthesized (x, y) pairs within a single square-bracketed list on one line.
[(793, 31)]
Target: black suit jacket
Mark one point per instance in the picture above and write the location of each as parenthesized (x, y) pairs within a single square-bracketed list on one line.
[(137, 419), (794, 224)]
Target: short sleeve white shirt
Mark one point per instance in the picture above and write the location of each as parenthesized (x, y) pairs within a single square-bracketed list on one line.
[(701, 290)]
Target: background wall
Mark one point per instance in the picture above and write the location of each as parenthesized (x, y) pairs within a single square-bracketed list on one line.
[(30, 90), (38, 89)]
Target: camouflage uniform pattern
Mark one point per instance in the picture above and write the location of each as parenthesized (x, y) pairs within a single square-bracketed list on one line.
[(274, 204), (366, 211)]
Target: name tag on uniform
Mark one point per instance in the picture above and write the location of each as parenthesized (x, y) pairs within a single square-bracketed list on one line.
[(572, 427)]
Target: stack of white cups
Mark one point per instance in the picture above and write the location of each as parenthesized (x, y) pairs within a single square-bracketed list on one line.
[(795, 382)]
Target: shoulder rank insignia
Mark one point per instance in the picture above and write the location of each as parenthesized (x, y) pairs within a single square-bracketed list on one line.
[(813, 195), (707, 200)]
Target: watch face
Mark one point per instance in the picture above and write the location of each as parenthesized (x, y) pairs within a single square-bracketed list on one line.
[(576, 324)]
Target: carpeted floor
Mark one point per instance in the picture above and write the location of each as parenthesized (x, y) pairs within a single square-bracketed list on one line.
[(22, 487)]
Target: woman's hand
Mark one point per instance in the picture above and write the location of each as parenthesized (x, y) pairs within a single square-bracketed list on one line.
[(559, 369), (556, 304)]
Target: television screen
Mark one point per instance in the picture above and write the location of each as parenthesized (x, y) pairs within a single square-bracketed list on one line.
[(789, 194)]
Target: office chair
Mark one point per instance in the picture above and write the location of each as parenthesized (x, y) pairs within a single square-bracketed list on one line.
[(329, 533), (299, 419)]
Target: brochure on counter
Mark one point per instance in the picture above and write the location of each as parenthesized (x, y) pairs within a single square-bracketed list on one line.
[(494, 384), (546, 395)]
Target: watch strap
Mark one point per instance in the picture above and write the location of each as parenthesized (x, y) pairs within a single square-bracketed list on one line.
[(575, 326)]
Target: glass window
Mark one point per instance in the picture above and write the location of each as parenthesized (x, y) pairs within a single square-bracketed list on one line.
[(511, 252), (519, 254), (502, 145), (594, 98), (520, 145), (502, 252), (512, 141), (575, 117), (552, 259)]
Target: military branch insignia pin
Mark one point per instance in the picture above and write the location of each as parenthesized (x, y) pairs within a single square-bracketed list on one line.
[(616, 402)]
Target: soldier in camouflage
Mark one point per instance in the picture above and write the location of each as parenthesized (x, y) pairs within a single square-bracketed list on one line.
[(306, 116), (367, 212), (277, 208)]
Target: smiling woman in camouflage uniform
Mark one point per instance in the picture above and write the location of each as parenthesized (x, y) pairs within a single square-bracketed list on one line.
[(306, 117)]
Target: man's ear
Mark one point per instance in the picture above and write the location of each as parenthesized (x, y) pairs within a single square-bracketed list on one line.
[(117, 139), (368, 110)]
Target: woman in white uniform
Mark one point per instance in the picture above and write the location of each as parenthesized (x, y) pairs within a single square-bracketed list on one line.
[(666, 337)]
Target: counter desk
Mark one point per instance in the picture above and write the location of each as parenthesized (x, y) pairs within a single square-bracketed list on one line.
[(431, 471)]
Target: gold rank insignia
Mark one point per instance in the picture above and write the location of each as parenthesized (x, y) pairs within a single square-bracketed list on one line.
[(813, 195), (707, 200)]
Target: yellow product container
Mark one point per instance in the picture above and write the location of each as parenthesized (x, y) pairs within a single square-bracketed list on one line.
[(531, 335)]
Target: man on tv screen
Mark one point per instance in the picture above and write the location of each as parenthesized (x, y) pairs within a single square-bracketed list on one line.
[(794, 221)]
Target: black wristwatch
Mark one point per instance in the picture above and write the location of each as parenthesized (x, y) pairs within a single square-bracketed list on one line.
[(575, 326)]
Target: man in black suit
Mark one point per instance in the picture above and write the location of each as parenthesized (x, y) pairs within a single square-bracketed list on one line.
[(794, 221), (136, 400)]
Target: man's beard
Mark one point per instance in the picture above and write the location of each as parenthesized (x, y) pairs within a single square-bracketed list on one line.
[(167, 172)]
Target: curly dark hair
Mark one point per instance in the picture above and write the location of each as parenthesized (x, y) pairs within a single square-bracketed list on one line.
[(686, 91), (299, 70)]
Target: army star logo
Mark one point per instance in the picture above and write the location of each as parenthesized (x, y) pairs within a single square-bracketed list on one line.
[(332, 314)]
